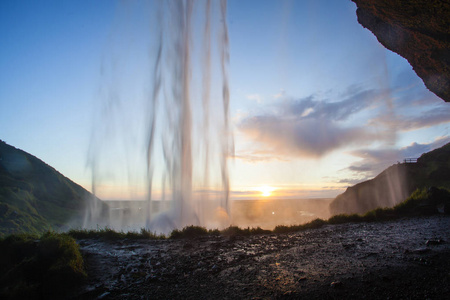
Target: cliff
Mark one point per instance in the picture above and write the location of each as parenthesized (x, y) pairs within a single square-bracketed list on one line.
[(395, 184), (34, 197), (418, 30)]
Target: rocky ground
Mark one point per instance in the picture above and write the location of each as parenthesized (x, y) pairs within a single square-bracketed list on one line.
[(407, 258)]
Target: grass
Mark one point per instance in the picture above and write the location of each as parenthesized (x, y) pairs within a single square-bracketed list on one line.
[(46, 266), (110, 234)]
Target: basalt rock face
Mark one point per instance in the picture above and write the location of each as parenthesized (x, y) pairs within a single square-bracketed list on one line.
[(418, 30)]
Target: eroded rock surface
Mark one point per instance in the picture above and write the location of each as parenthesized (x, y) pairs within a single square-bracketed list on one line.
[(418, 30), (351, 261)]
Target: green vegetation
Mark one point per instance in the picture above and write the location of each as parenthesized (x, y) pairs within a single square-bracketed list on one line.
[(234, 230), (317, 223), (34, 197), (189, 232), (110, 234), (39, 267)]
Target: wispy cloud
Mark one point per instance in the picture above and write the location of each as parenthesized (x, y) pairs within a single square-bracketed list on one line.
[(256, 97), (312, 128), (302, 137), (430, 117), (373, 161), (281, 94), (257, 156)]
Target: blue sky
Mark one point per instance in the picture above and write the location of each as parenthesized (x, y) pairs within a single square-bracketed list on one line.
[(317, 103)]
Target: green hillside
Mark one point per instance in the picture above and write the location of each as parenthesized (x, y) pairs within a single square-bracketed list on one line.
[(34, 197), (396, 183)]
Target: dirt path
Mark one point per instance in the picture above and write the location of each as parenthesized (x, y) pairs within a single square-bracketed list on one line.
[(407, 258)]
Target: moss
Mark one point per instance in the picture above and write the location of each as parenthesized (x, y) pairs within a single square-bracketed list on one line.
[(63, 254), (45, 267)]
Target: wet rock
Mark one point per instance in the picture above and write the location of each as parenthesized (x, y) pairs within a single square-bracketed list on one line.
[(420, 250), (104, 295), (336, 284), (151, 278), (433, 242), (203, 271), (215, 268), (348, 246), (188, 246)]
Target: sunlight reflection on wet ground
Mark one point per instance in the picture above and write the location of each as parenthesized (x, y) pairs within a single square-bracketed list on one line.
[(261, 265)]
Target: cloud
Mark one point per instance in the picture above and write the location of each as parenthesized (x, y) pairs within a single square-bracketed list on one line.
[(430, 117), (311, 128), (281, 94), (259, 156), (302, 137), (256, 97), (375, 161), (334, 110)]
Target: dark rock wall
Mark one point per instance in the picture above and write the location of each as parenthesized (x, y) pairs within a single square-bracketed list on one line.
[(396, 183), (418, 30), (386, 190)]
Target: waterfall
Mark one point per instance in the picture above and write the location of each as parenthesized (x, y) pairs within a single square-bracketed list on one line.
[(188, 139)]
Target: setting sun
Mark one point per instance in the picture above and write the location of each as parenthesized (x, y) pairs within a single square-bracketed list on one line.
[(266, 190)]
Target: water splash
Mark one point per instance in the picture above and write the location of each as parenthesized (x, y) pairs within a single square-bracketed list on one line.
[(186, 127)]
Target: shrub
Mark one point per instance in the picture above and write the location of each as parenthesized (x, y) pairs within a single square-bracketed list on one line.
[(47, 267), (418, 196), (379, 214), (188, 232), (344, 218), (317, 223), (232, 231), (63, 254), (283, 229)]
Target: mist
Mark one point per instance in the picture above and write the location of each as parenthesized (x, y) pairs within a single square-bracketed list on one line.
[(177, 139)]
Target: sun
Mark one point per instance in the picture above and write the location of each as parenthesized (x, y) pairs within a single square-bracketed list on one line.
[(266, 190)]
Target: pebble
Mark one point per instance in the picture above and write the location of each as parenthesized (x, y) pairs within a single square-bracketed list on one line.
[(433, 242), (103, 295), (336, 284)]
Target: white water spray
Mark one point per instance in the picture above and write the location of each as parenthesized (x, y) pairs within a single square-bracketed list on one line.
[(187, 135)]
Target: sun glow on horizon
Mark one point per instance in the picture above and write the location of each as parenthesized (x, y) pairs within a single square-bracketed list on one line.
[(266, 190)]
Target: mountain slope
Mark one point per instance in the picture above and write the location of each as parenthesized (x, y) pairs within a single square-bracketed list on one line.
[(34, 196), (396, 183)]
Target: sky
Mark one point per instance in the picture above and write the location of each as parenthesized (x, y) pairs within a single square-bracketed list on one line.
[(316, 103)]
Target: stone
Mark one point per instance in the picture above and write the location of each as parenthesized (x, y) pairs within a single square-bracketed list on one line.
[(418, 30), (336, 284)]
